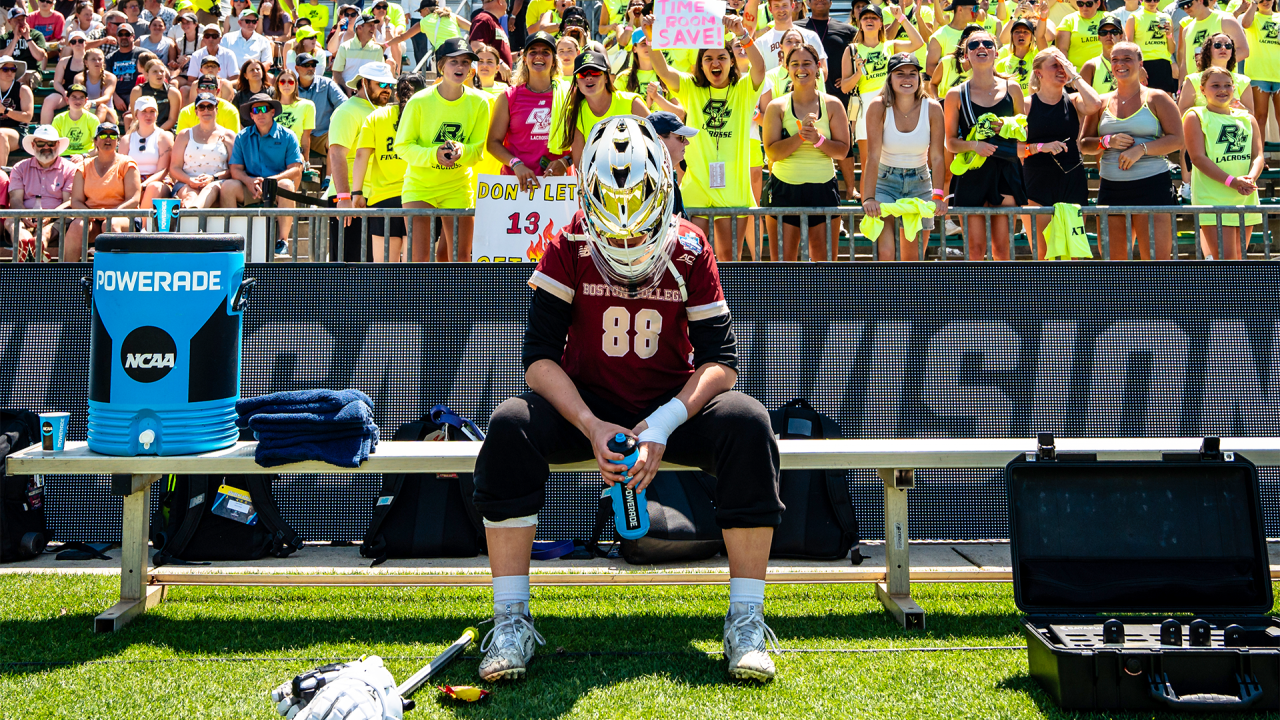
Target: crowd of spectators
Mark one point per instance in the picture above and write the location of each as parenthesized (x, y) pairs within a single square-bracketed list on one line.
[(914, 109)]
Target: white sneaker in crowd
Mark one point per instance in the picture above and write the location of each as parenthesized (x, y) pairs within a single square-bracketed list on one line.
[(509, 646), (1185, 191), (746, 643), (951, 227)]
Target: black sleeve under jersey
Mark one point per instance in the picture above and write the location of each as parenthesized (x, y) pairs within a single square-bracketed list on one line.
[(714, 342), (548, 328)]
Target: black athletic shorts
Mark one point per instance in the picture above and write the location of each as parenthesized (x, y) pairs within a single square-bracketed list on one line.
[(1154, 190), (782, 195), (1160, 75), (378, 225)]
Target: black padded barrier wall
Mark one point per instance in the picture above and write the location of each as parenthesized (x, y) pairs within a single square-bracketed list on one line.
[(888, 350)]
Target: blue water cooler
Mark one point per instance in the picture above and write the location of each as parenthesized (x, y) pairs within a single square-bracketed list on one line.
[(164, 372)]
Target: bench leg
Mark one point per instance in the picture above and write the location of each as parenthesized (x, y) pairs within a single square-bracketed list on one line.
[(895, 595), (135, 595)]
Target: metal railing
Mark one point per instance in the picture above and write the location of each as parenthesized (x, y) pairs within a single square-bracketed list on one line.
[(842, 240)]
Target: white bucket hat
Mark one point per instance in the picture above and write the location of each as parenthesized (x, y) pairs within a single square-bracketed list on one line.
[(375, 71), (47, 133), (22, 66)]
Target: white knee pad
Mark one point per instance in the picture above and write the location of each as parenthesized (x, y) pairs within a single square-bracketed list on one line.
[(519, 522)]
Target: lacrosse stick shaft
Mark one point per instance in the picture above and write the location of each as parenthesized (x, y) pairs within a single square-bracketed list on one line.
[(438, 663)]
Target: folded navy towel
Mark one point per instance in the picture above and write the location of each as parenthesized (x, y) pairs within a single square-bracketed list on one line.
[(281, 439), (303, 401), (346, 452), (354, 414)]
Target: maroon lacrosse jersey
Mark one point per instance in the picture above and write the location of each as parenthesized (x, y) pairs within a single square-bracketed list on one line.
[(631, 351)]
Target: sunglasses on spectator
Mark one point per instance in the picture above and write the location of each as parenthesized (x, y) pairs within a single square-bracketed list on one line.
[(1221, 45), (309, 65), (211, 36), (43, 145), (1112, 33), (285, 81), (206, 106), (975, 44), (76, 42), (350, 14), (9, 68), (108, 136), (260, 110), (589, 73), (249, 21), (1084, 3)]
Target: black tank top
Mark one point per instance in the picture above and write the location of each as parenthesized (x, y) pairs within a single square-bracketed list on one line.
[(162, 101), (971, 111), (1053, 123), (11, 100)]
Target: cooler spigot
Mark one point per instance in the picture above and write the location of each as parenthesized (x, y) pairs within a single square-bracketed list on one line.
[(146, 437)]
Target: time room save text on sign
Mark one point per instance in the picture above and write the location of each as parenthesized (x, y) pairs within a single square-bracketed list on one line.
[(516, 226), (688, 24)]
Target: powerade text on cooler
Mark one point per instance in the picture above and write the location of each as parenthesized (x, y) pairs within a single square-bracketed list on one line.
[(630, 510), (164, 372)]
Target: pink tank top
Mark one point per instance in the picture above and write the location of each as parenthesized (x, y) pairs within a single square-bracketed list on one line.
[(529, 128)]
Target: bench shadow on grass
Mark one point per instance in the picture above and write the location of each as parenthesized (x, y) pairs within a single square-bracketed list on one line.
[(582, 655)]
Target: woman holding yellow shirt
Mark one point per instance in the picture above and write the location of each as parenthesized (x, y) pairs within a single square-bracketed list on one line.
[(378, 175), (866, 61), (591, 99), (441, 138)]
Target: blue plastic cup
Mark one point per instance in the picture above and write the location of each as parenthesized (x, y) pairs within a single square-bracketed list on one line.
[(166, 209), (53, 430)]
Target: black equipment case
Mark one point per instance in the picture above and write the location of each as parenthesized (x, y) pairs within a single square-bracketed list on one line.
[(1144, 582)]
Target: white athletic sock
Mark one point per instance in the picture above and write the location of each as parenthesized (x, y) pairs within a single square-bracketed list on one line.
[(744, 590), (512, 589)]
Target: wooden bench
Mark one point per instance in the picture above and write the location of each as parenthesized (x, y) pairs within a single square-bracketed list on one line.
[(895, 460)]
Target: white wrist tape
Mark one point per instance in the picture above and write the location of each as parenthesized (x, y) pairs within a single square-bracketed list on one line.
[(664, 421), (518, 522)]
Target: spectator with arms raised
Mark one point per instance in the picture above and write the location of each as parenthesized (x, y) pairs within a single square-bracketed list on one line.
[(591, 99)]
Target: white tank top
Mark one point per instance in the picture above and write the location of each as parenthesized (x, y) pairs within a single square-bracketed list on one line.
[(145, 151), (906, 150), (204, 158)]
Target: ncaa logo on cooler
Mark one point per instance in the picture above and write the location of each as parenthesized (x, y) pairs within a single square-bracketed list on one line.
[(148, 354)]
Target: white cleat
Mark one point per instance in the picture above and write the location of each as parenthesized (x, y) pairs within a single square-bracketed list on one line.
[(746, 643), (509, 646)]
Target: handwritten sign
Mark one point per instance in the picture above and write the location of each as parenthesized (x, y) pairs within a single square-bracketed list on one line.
[(688, 24), (514, 225)]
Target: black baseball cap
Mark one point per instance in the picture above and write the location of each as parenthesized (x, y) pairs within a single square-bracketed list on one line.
[(541, 37), (591, 59), (574, 17), (1024, 22), (1111, 20), (106, 129), (455, 47), (901, 59), (872, 9), (306, 59)]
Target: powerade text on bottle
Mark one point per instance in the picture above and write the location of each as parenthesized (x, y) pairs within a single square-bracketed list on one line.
[(630, 510), (164, 371)]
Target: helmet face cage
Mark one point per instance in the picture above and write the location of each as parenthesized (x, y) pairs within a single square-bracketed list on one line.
[(627, 190)]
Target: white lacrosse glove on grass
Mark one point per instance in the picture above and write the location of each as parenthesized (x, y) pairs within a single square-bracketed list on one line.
[(362, 690)]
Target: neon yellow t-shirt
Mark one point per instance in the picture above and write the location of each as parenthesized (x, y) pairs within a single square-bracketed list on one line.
[(1018, 67), (534, 11), (681, 60), (1084, 37), (490, 165), (1060, 11), (384, 176), (1150, 36), (1103, 80), (723, 115), (228, 116), (620, 104), (1264, 47), (318, 14), (1197, 31), (298, 117), (429, 121), (1228, 142), (79, 132), (344, 130), (1241, 83), (947, 37), (875, 69)]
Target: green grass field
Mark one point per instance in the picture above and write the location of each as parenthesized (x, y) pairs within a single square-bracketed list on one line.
[(611, 652)]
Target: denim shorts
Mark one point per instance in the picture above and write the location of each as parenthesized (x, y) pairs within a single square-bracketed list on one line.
[(897, 183), (1265, 86)]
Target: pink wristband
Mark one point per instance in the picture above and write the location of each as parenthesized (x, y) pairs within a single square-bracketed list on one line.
[(1229, 179), (343, 196), (1039, 147), (1106, 141), (821, 139)]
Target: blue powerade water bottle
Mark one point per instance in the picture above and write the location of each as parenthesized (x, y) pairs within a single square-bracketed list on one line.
[(630, 511)]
